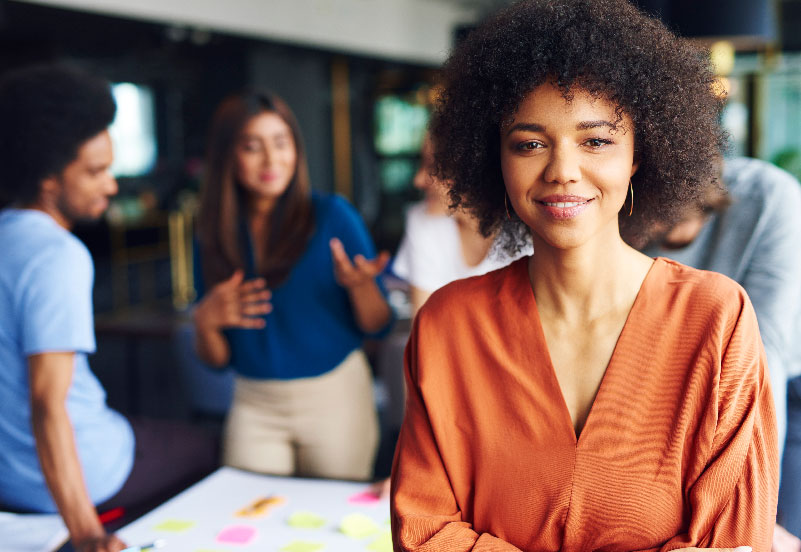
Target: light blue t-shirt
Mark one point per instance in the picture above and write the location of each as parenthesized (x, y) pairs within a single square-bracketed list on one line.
[(46, 278)]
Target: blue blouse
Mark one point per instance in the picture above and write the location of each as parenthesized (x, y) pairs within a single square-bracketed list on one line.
[(311, 328)]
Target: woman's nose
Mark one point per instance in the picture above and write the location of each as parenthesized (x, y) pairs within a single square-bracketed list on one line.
[(563, 165), (267, 155)]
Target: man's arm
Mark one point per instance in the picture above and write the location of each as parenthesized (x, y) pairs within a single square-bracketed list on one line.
[(50, 377)]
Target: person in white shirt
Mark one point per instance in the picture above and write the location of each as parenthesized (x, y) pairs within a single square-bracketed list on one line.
[(441, 245)]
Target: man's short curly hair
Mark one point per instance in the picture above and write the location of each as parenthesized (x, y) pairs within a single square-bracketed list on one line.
[(47, 112), (611, 50)]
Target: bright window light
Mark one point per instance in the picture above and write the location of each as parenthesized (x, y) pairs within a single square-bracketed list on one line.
[(133, 130)]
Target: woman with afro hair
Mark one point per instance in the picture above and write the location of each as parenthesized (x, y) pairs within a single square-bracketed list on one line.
[(586, 397)]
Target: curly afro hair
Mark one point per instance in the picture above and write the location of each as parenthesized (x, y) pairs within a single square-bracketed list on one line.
[(47, 113), (611, 50)]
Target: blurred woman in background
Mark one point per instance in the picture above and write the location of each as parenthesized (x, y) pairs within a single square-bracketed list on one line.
[(441, 245), (288, 292)]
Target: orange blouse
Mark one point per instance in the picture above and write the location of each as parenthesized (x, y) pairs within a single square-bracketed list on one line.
[(679, 448)]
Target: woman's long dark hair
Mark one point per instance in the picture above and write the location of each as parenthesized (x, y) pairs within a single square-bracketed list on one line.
[(222, 204)]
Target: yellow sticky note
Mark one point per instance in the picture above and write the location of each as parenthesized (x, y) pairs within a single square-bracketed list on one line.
[(358, 526), (382, 543), (260, 507), (305, 520), (175, 525)]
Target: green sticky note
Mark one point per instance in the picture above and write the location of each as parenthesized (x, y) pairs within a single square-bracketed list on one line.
[(175, 525), (358, 526), (382, 543), (305, 520), (303, 546)]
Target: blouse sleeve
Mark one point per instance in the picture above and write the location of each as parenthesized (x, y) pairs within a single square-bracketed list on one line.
[(733, 502), (425, 514)]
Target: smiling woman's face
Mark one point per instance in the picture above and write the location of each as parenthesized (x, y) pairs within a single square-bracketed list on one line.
[(567, 165), (265, 156)]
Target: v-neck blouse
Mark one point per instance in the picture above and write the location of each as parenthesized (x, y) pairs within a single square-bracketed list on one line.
[(679, 448)]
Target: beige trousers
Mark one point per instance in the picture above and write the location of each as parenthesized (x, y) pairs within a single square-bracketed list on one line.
[(324, 426)]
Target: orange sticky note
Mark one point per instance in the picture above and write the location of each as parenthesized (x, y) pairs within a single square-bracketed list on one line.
[(260, 507)]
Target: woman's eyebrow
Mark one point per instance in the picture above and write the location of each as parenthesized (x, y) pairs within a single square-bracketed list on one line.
[(586, 125), (536, 127), (531, 127)]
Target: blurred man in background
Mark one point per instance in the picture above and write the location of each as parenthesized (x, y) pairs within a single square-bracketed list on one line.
[(61, 447), (750, 231)]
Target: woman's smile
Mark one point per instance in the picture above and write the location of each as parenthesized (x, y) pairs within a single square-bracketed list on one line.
[(564, 206)]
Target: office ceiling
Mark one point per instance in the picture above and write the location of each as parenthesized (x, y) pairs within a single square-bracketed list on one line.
[(478, 6)]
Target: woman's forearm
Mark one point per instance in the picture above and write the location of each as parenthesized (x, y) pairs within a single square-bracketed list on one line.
[(210, 343), (370, 308)]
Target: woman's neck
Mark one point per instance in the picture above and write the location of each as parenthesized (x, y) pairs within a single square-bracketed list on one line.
[(260, 207), (587, 282)]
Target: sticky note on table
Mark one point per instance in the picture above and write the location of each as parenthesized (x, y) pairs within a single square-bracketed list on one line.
[(303, 546), (305, 520), (367, 498), (237, 534), (175, 525), (261, 506), (358, 526), (382, 543)]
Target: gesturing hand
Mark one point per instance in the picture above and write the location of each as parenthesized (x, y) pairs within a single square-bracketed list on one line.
[(361, 271), (234, 303)]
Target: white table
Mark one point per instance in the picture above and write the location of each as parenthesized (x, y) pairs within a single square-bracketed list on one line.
[(194, 520)]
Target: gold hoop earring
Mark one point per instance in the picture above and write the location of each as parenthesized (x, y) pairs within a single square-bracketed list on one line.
[(506, 205), (631, 189)]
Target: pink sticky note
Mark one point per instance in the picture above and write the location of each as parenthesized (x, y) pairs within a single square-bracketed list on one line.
[(237, 534), (366, 497)]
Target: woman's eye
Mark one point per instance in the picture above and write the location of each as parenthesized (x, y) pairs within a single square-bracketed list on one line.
[(597, 142), (529, 146)]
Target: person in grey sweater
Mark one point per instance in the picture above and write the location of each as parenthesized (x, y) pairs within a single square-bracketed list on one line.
[(751, 233)]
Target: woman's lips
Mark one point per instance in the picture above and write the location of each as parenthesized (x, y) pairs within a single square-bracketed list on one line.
[(563, 206)]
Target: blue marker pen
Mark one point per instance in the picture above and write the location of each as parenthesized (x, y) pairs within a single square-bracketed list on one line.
[(152, 546)]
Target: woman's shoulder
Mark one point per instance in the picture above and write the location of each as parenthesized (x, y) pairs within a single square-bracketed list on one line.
[(695, 289), (333, 209), (325, 202)]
